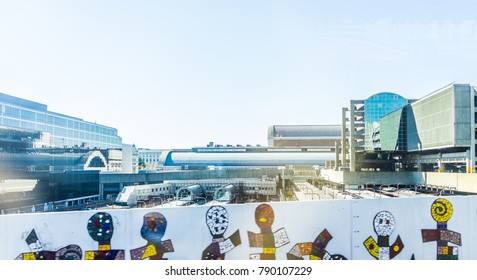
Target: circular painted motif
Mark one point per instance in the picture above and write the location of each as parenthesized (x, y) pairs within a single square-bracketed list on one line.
[(441, 210), (384, 223), (100, 226)]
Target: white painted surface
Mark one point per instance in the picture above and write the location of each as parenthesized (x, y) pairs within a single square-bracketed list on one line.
[(350, 222)]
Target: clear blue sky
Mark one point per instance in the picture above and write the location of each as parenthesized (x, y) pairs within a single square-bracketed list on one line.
[(177, 74)]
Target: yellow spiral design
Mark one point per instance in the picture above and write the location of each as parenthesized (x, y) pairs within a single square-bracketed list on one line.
[(441, 210)]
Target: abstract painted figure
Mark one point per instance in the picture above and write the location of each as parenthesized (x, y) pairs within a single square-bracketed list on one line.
[(383, 226), (217, 220), (153, 229), (266, 239), (316, 249), (100, 228), (70, 252), (441, 211)]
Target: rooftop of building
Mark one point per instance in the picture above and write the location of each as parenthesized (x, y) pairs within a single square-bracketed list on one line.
[(22, 102), (305, 131)]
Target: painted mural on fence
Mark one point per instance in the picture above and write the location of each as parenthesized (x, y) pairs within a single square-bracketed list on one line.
[(101, 228), (441, 212), (316, 250), (37, 251), (384, 225), (310, 232), (266, 239), (153, 230), (217, 221)]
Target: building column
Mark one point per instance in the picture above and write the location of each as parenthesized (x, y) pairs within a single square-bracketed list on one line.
[(419, 167), (337, 155), (352, 138), (470, 160), (101, 191), (344, 131), (441, 166)]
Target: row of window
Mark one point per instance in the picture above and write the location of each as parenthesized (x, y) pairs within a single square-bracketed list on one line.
[(258, 188), (144, 191), (154, 160), (45, 118), (61, 142), (60, 132)]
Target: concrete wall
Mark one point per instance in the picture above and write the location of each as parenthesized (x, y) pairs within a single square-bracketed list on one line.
[(463, 182), (362, 178), (348, 228)]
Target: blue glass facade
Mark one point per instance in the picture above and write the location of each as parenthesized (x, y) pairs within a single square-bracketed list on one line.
[(376, 107), (382, 104), (65, 131)]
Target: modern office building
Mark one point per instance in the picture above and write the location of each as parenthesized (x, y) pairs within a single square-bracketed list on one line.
[(57, 130), (436, 132)]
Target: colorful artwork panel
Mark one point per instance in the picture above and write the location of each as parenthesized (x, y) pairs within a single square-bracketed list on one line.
[(266, 239), (441, 212), (101, 228), (384, 225), (153, 230), (70, 252), (217, 221), (316, 250)]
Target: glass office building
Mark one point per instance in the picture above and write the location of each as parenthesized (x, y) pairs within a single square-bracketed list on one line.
[(64, 131)]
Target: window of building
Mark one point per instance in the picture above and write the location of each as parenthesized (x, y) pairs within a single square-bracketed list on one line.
[(40, 117), (60, 132), (41, 127), (28, 125), (10, 122), (28, 115), (12, 112), (60, 122)]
